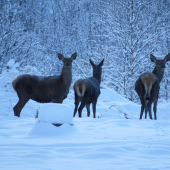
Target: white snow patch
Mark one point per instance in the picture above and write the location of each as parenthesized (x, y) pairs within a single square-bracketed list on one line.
[(45, 130), (109, 95), (10, 63), (55, 113)]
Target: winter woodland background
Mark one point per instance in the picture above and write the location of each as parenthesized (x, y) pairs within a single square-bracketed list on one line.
[(124, 32)]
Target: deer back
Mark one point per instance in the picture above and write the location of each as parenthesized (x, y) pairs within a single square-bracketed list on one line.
[(94, 87)]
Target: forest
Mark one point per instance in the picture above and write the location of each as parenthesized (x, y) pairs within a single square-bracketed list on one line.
[(123, 32)]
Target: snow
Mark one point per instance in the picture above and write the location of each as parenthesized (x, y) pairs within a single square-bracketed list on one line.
[(10, 63), (108, 142), (55, 113)]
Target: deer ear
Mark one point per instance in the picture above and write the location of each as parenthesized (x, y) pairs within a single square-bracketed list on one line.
[(153, 59), (101, 63), (73, 57), (60, 56), (167, 58), (91, 62)]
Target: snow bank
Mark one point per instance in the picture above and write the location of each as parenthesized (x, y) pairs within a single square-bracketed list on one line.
[(47, 130), (4, 81), (107, 142), (108, 95), (12, 67), (55, 113), (10, 63)]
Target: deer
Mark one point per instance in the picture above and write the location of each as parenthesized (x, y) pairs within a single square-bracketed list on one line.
[(148, 84), (43, 89), (87, 90)]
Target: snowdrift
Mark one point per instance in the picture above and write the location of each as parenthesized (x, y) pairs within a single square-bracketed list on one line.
[(56, 114), (116, 139)]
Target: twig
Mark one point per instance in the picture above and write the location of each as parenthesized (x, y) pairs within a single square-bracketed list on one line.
[(120, 110)]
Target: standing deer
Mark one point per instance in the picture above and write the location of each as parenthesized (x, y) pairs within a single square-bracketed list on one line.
[(88, 90), (44, 89), (148, 84)]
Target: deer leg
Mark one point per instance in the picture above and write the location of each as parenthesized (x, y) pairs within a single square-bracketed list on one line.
[(94, 108), (18, 107), (88, 109), (155, 108), (153, 98), (146, 110), (149, 108), (83, 103), (150, 114), (76, 104), (141, 113), (155, 101), (142, 107)]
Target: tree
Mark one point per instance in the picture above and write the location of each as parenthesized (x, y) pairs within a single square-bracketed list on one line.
[(135, 33)]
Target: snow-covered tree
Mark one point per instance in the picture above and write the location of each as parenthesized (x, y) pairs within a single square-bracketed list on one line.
[(125, 33)]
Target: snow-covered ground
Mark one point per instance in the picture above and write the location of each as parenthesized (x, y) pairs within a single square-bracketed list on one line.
[(108, 142)]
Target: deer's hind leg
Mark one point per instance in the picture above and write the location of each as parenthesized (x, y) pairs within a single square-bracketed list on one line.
[(156, 100), (155, 108), (142, 106), (149, 107), (84, 100), (19, 106), (77, 100), (94, 108), (88, 109), (153, 98), (23, 96), (146, 109), (83, 103), (139, 88)]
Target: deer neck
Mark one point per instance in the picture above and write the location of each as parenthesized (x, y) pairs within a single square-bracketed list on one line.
[(159, 74), (66, 76), (97, 75)]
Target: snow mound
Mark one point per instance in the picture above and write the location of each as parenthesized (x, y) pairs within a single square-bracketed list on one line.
[(6, 81), (10, 63), (108, 95), (55, 113), (46, 130)]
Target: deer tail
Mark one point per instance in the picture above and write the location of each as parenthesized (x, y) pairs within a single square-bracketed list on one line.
[(80, 87), (148, 79), (147, 90)]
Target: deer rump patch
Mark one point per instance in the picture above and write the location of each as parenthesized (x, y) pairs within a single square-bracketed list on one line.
[(148, 79), (91, 84), (80, 87)]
